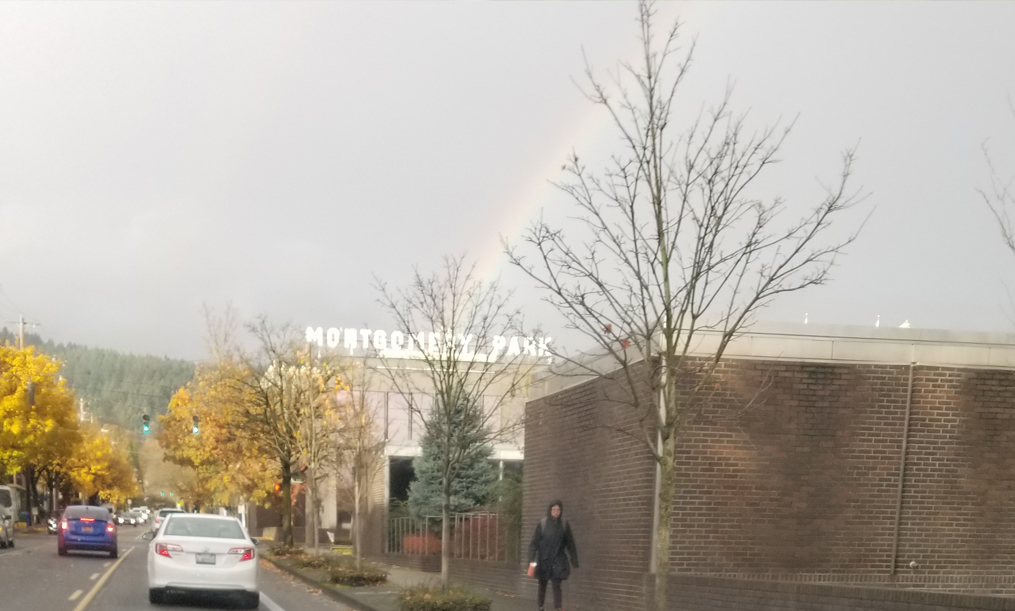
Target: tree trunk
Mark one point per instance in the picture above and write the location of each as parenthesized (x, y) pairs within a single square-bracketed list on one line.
[(445, 535), (357, 540), (287, 504), (667, 470), (33, 493), (311, 510)]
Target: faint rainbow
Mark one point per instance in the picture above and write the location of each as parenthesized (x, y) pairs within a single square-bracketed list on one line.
[(538, 190)]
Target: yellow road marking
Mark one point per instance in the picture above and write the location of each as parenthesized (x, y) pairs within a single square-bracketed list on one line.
[(95, 590), (75, 595)]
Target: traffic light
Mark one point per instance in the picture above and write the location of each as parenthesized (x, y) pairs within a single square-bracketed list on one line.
[(145, 424), (197, 425), (162, 494)]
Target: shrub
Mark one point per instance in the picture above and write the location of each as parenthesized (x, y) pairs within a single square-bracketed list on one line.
[(351, 576), (418, 544), (284, 551), (308, 562), (427, 598)]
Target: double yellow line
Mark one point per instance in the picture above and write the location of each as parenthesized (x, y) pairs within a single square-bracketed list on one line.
[(102, 581)]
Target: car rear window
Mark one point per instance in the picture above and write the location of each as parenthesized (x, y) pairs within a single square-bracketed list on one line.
[(165, 512), (85, 511), (5, 498), (183, 526)]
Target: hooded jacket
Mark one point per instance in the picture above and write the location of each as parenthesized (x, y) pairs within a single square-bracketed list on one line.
[(550, 541)]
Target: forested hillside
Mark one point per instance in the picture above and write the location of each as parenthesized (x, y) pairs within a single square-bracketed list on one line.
[(117, 387)]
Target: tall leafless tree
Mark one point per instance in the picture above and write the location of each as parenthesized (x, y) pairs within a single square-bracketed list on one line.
[(360, 443), (468, 342), (672, 252), (1000, 197)]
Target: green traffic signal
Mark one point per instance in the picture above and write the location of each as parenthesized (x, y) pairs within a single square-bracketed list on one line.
[(145, 424), (196, 428)]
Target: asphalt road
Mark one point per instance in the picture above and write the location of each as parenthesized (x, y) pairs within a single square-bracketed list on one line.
[(34, 578)]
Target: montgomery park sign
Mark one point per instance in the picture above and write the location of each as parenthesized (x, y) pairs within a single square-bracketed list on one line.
[(402, 345)]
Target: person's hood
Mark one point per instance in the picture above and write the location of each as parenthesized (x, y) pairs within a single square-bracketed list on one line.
[(549, 509)]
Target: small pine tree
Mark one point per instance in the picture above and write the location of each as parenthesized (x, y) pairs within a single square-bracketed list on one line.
[(475, 486)]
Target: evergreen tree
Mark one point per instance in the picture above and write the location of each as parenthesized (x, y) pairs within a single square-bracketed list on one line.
[(474, 487)]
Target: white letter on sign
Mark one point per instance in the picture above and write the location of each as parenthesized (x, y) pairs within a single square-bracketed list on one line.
[(380, 340), (350, 340), (513, 348), (334, 337), (498, 344), (315, 336), (397, 340)]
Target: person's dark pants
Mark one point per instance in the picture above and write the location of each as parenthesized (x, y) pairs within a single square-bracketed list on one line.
[(557, 596)]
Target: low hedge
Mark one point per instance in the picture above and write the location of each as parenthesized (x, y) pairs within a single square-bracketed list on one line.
[(351, 576), (427, 598), (284, 551), (339, 570)]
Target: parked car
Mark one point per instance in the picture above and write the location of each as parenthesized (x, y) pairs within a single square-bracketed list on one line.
[(8, 513), (88, 528), (203, 553), (124, 518)]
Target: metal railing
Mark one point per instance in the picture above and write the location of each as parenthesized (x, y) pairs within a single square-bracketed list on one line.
[(480, 535)]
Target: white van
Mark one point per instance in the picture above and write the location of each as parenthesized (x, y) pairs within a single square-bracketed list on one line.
[(8, 515)]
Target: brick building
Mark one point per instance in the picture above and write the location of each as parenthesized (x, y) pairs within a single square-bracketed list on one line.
[(881, 458)]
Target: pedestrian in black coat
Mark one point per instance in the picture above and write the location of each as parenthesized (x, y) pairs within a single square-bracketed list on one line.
[(552, 537)]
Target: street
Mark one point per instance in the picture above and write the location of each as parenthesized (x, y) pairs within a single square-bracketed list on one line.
[(34, 578)]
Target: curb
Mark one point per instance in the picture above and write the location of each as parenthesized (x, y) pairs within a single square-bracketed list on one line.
[(332, 593)]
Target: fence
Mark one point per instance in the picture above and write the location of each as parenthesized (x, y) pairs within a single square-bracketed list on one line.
[(478, 535)]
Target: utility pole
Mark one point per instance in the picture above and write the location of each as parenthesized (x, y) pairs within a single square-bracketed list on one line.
[(21, 329)]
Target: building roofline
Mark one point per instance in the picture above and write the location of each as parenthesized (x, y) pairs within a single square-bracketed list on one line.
[(832, 344)]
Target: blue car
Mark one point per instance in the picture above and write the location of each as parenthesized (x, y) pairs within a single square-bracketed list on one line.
[(88, 529)]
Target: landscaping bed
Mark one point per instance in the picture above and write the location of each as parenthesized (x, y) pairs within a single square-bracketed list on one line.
[(431, 598), (328, 569)]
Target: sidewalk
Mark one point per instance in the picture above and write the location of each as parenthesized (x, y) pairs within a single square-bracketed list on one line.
[(385, 598)]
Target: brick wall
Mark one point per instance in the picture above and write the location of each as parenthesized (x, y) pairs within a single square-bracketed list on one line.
[(604, 478), (790, 473)]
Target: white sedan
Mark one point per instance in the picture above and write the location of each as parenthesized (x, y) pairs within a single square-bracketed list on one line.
[(202, 553)]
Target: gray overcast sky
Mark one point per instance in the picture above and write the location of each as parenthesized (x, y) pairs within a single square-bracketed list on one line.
[(158, 156)]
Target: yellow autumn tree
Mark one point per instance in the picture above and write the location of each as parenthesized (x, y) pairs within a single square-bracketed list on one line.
[(229, 466), (100, 469), (35, 407)]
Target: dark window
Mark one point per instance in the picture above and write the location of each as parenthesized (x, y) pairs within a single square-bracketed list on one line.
[(183, 526)]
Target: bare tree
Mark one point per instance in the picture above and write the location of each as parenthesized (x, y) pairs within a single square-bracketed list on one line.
[(470, 344), (360, 443), (671, 254), (999, 197), (318, 440)]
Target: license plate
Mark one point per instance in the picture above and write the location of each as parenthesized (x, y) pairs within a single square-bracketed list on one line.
[(87, 529), (206, 558)]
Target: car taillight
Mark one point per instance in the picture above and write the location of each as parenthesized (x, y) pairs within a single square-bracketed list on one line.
[(163, 549), (110, 528), (248, 552), (64, 525)]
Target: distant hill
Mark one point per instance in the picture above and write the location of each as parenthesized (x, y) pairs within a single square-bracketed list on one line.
[(117, 387)]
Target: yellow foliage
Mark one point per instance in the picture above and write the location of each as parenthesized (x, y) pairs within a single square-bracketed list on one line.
[(37, 434), (228, 464)]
